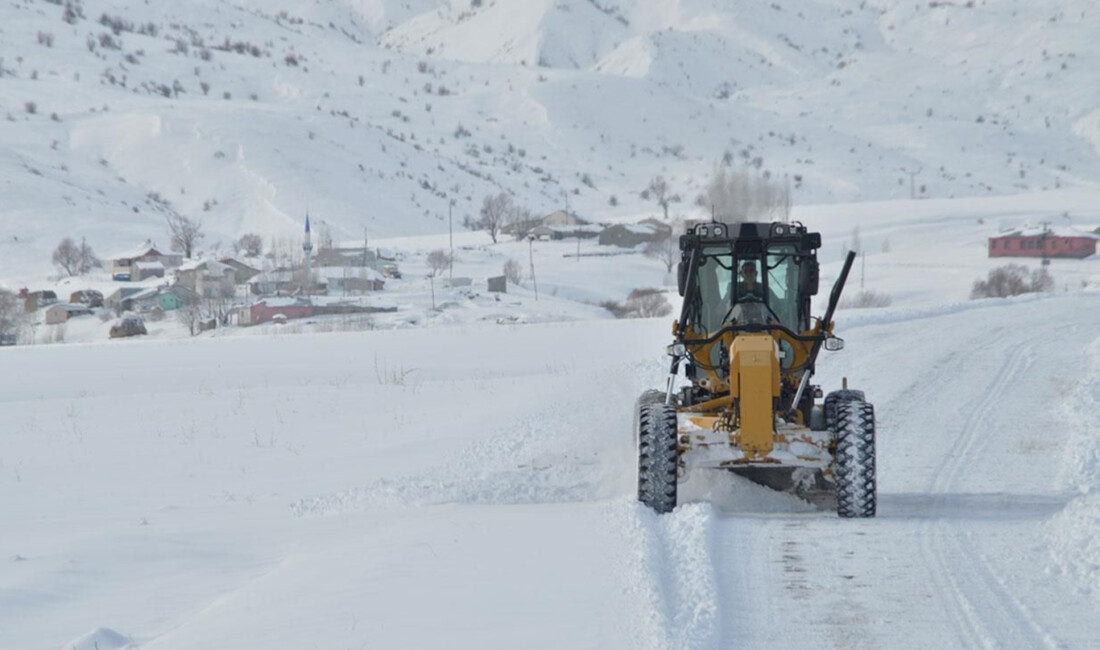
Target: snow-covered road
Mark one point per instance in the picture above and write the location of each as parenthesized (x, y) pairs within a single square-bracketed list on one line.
[(472, 487)]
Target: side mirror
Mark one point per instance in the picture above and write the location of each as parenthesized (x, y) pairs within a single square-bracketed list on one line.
[(811, 278), (681, 277), (833, 344)]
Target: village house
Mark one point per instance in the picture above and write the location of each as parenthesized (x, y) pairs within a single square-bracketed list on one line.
[(144, 261), (560, 218), (556, 225), (1043, 242), (207, 278), (174, 297), (33, 300), (327, 305), (89, 297), (350, 256), (283, 282), (144, 270), (143, 301), (630, 235), (345, 281), (119, 301), (62, 311), (498, 284), (265, 310), (558, 233), (242, 272)]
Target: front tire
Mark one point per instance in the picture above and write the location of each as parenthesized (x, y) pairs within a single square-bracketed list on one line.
[(856, 491), (658, 456), (651, 396)]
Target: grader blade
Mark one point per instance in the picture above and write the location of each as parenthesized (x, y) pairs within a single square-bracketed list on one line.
[(805, 483)]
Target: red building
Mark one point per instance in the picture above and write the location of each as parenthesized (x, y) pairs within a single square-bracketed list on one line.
[(1037, 242), (266, 309)]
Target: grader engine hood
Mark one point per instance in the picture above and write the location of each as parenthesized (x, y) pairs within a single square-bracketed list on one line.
[(754, 385)]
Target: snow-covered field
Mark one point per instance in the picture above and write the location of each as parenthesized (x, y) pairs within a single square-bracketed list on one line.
[(472, 486)]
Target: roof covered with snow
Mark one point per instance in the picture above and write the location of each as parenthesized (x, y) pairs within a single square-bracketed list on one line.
[(205, 265), (284, 302), (365, 273), (1039, 231), (137, 251)]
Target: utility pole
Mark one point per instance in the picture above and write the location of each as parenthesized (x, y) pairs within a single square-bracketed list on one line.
[(531, 253), (451, 238), (565, 195), (862, 268), (1043, 241), (912, 181), (307, 252)]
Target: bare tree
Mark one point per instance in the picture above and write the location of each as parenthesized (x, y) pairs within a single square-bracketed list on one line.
[(86, 259), (219, 301), (67, 256), (521, 220), (438, 260), (746, 195), (659, 190), (1012, 280), (324, 236), (513, 271), (640, 303), (12, 318), (185, 233), (252, 244), (666, 248), (494, 211), (190, 314)]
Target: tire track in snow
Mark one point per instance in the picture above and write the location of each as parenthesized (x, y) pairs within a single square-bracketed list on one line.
[(982, 612), (676, 553)]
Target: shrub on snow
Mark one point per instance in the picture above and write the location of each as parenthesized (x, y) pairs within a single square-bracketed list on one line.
[(865, 299), (1011, 280), (640, 303)]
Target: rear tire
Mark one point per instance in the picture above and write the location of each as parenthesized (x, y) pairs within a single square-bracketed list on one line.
[(854, 468), (658, 456), (836, 397)]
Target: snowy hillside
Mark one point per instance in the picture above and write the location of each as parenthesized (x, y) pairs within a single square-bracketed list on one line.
[(376, 114)]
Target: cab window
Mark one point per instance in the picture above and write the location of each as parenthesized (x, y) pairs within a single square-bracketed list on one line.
[(783, 284)]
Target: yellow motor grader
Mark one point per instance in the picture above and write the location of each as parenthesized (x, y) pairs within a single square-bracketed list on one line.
[(748, 345)]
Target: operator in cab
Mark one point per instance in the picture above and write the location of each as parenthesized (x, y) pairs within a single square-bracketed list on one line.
[(749, 305)]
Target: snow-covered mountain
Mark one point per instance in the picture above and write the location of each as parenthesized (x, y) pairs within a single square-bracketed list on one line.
[(376, 114)]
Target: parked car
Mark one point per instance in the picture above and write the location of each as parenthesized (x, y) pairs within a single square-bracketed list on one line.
[(128, 325), (7, 338)]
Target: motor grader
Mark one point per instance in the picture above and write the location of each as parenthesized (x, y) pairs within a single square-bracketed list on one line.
[(748, 346)]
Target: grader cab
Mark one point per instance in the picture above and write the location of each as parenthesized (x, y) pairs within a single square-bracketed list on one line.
[(748, 345)]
